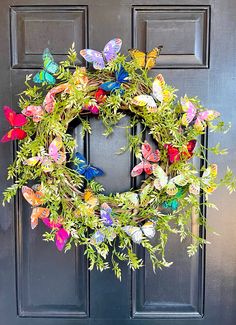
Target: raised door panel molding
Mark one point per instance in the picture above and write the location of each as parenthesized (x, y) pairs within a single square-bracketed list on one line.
[(182, 30), (35, 28)]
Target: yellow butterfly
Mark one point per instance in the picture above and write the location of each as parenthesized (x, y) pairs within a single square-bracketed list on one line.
[(145, 60), (90, 198)]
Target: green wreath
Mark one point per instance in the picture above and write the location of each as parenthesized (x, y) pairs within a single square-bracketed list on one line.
[(67, 196)]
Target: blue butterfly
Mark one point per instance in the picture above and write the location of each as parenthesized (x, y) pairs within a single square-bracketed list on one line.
[(121, 75), (88, 171), (49, 67)]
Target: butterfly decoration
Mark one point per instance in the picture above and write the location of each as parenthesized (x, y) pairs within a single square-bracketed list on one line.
[(192, 115), (49, 67), (145, 60), (105, 214), (149, 156), (90, 198), (93, 105), (35, 199), (150, 100), (16, 121), (171, 204), (36, 112), (121, 76), (55, 155), (208, 178), (61, 234), (162, 182), (99, 59), (85, 169), (137, 233), (174, 154), (98, 237)]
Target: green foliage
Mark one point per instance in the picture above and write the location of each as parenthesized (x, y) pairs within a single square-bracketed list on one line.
[(63, 188)]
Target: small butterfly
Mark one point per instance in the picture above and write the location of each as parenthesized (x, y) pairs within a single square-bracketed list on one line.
[(62, 235), (162, 182), (90, 198), (208, 178), (85, 169), (35, 198), (36, 112), (93, 105), (49, 67), (174, 154), (149, 100), (16, 121), (199, 119), (171, 204), (99, 59), (55, 155), (105, 214), (148, 156), (121, 76), (145, 60), (136, 233), (98, 237)]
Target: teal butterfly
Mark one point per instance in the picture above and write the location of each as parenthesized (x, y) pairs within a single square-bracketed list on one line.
[(49, 67)]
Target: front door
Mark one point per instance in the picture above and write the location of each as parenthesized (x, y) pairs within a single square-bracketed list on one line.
[(39, 285)]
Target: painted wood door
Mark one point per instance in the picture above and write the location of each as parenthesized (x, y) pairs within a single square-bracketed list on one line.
[(39, 285)]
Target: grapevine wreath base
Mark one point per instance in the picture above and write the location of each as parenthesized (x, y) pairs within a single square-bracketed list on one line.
[(66, 195)]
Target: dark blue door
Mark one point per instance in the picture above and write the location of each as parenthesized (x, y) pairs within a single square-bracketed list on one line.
[(39, 285)]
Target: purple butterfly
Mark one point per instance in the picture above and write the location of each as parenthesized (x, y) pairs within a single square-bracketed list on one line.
[(99, 59), (105, 214)]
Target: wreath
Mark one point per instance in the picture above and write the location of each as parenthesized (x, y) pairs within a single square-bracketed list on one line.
[(63, 188)]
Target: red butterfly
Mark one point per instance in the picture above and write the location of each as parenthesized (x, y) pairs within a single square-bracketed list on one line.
[(174, 154), (16, 121), (148, 156), (93, 105)]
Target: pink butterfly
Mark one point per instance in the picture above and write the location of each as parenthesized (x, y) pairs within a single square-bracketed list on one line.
[(16, 121), (148, 156), (198, 118), (62, 235), (36, 112), (55, 155)]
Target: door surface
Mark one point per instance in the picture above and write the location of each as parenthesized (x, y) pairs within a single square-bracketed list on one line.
[(39, 285)]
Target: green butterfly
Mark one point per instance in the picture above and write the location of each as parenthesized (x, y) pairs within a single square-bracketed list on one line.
[(49, 67)]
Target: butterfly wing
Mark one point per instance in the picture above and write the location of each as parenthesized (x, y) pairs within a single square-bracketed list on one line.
[(157, 88), (14, 134), (194, 188), (62, 237), (138, 169), (90, 198), (112, 48), (110, 86), (149, 154), (98, 237), (35, 111), (191, 146), (105, 214), (16, 120), (122, 75), (145, 100), (44, 76), (148, 168), (54, 151), (32, 161), (94, 57), (82, 164), (180, 180), (171, 189), (138, 56), (93, 108), (151, 57), (38, 213), (135, 233), (149, 229), (190, 111), (33, 198), (48, 62), (90, 172), (161, 178), (173, 153)]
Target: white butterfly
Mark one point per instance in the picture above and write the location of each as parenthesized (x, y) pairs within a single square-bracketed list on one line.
[(136, 233)]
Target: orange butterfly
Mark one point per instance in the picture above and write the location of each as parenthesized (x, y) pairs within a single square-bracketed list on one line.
[(35, 198)]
